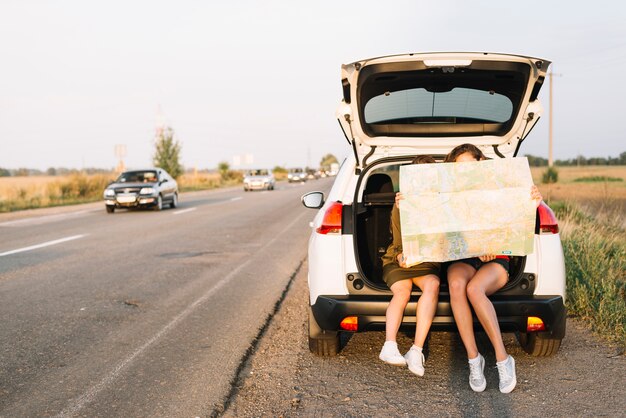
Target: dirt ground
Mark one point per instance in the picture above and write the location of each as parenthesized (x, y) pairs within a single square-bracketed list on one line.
[(282, 378)]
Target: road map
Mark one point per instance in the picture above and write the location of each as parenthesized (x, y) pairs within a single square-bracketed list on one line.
[(452, 211)]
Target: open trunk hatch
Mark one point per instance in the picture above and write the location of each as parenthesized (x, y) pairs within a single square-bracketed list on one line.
[(436, 101)]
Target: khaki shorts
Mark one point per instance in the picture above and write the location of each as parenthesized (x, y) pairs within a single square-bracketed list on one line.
[(392, 272)]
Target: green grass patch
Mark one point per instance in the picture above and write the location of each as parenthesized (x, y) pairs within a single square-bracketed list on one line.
[(597, 179), (595, 260), (551, 175)]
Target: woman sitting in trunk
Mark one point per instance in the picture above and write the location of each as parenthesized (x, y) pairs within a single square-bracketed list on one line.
[(400, 280), (471, 281)]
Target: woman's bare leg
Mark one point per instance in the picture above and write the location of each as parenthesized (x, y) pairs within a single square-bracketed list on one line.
[(459, 275), (488, 280), (426, 306), (395, 311)]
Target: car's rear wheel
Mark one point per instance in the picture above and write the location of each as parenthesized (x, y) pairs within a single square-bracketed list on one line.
[(110, 209), (159, 203), (174, 202), (538, 346), (322, 342)]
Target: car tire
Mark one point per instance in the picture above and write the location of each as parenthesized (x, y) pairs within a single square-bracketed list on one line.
[(174, 202), (110, 209), (159, 204), (537, 345), (322, 343)]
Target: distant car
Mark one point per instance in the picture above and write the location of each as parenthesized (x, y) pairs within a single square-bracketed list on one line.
[(258, 180), (312, 175), (296, 174), (152, 188)]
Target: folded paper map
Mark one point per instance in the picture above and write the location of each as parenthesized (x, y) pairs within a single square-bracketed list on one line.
[(452, 211)]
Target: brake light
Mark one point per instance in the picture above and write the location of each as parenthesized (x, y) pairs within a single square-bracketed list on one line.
[(535, 324), (331, 223), (350, 323), (547, 220)]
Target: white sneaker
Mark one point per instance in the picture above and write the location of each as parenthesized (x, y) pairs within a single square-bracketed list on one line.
[(415, 359), (477, 380), (390, 354), (506, 370)]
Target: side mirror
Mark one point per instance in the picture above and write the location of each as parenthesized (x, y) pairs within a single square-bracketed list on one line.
[(313, 200), (163, 181)]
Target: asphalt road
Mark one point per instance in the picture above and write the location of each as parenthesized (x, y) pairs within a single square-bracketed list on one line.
[(142, 313)]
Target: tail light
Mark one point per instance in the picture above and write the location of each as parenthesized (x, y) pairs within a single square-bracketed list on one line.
[(350, 323), (547, 220), (331, 223), (535, 324)]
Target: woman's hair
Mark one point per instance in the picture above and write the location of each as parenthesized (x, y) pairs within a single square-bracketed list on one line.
[(423, 159), (462, 149)]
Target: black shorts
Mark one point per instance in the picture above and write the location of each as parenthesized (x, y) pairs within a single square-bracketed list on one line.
[(392, 272), (477, 264)]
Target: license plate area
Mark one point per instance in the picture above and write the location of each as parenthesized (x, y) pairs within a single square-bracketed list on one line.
[(126, 198)]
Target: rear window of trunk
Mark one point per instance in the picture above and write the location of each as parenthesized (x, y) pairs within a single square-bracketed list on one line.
[(481, 99)]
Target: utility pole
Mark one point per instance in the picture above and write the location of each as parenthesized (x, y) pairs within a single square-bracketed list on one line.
[(120, 153)]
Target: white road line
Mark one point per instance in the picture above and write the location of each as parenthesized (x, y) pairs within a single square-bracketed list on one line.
[(43, 244), (90, 394), (221, 202), (178, 212)]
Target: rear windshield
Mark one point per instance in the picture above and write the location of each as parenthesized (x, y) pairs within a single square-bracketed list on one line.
[(455, 106), (482, 99)]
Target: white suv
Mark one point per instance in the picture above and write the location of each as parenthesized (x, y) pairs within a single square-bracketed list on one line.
[(393, 109)]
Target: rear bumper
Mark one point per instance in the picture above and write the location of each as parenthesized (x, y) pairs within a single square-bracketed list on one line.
[(264, 186), (513, 313)]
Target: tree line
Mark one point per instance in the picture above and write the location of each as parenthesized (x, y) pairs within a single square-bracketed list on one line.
[(535, 161), (168, 151)]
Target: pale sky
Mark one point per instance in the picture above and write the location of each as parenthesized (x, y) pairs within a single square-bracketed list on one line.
[(263, 77)]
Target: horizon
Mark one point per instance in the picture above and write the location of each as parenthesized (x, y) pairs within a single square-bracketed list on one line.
[(272, 167)]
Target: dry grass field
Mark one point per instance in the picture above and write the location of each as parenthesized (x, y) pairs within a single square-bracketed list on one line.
[(596, 196), (17, 193), (199, 181), (13, 187)]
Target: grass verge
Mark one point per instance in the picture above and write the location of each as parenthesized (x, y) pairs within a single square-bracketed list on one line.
[(595, 261), (596, 179)]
